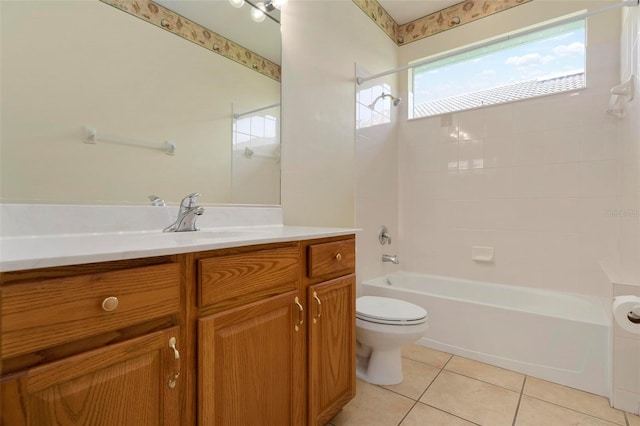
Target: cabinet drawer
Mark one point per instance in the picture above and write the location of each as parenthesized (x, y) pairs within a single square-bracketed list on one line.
[(47, 313), (332, 259), (228, 280)]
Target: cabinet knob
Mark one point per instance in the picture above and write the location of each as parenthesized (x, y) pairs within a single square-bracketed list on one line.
[(338, 257), (110, 303)]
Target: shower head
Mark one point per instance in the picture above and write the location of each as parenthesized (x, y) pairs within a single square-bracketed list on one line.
[(396, 100)]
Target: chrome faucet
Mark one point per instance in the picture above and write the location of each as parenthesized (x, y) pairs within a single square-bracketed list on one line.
[(187, 215), (390, 258)]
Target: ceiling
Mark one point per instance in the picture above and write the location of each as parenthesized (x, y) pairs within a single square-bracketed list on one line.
[(403, 11)]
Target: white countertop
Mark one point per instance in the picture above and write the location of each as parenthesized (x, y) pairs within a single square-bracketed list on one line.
[(45, 235), (31, 252)]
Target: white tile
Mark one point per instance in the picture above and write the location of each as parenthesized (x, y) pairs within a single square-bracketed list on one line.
[(563, 145), (498, 183), (468, 184), (553, 180), (563, 110), (600, 145), (599, 178), (528, 148), (437, 157), (471, 125), (597, 215), (498, 151), (545, 214), (499, 122), (529, 116), (470, 154)]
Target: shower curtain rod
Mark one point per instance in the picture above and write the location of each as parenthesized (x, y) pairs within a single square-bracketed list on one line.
[(627, 3), (255, 110)]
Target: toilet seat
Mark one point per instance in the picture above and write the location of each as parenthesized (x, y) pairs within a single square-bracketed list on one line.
[(384, 310)]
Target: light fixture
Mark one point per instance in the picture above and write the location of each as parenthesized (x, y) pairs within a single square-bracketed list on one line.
[(257, 12), (278, 3), (236, 3)]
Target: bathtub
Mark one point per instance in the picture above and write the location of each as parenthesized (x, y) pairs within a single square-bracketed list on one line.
[(560, 337)]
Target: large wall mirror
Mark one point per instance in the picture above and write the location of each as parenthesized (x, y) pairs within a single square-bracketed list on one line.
[(94, 101)]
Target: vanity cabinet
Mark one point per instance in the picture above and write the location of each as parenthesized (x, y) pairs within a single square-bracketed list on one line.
[(255, 335), (331, 347), (92, 345), (250, 347), (132, 383)]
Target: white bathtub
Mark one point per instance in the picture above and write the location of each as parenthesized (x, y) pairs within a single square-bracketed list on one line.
[(560, 337)]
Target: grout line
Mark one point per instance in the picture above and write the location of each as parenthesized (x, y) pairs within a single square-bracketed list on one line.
[(581, 412), (451, 414), (407, 413), (484, 381), (626, 418), (420, 396), (515, 415), (431, 365)]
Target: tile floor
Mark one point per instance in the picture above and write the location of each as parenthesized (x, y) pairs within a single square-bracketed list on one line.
[(440, 389)]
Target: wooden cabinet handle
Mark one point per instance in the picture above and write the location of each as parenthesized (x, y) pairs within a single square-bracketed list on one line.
[(317, 317), (338, 257), (110, 304), (300, 314)]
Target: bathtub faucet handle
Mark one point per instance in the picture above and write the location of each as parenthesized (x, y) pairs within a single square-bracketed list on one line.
[(383, 236)]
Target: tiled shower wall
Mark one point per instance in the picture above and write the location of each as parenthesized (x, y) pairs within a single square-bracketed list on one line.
[(630, 162), (537, 180)]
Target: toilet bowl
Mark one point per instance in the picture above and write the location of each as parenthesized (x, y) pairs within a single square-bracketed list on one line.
[(383, 327)]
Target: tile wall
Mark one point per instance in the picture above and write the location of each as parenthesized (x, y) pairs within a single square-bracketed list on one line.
[(538, 180), (376, 176), (630, 163)]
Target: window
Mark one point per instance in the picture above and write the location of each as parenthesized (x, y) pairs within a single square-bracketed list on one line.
[(255, 130), (538, 63)]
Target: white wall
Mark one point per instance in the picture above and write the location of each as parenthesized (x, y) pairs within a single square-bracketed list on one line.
[(322, 41), (70, 63), (550, 172)]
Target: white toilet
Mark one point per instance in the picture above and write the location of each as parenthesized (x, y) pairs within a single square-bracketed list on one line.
[(383, 326)]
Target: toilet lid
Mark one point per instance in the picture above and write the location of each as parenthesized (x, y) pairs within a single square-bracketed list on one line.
[(385, 310)]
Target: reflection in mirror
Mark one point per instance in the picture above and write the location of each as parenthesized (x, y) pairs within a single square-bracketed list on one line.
[(70, 64), (256, 155)]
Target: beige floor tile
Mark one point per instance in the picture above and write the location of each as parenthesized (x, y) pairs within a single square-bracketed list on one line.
[(423, 415), (417, 376), (427, 355), (634, 420), (584, 402), (533, 412), (472, 399), (373, 406), (487, 373)]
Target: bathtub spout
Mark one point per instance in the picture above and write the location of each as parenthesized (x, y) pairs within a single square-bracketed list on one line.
[(390, 258)]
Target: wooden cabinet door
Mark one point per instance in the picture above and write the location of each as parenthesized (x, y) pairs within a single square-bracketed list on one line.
[(250, 364), (332, 339), (125, 384)]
